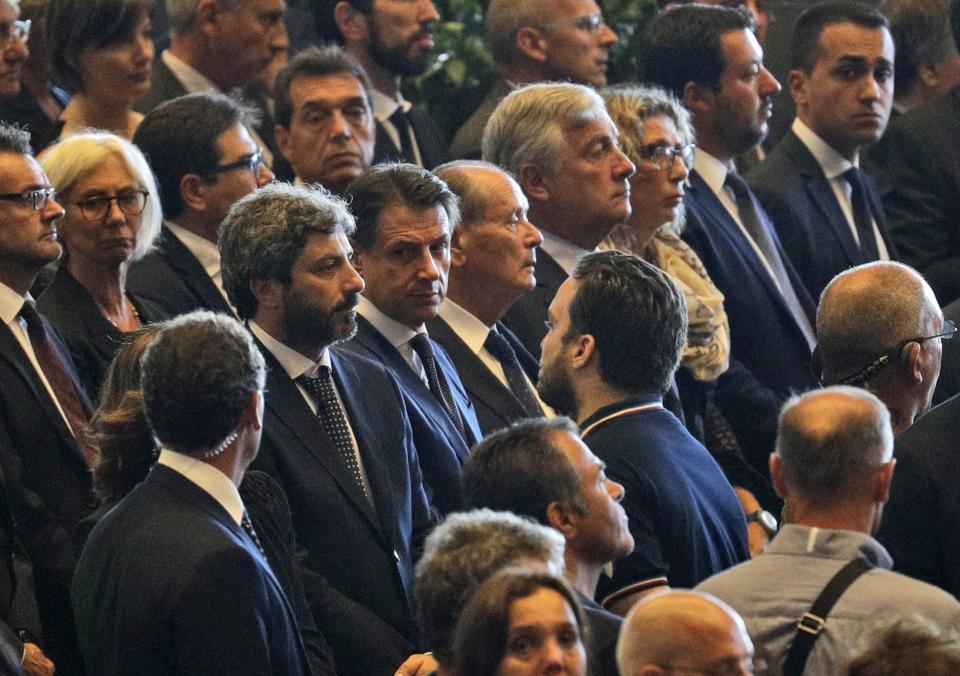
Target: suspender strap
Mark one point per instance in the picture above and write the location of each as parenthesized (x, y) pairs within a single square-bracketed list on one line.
[(811, 624)]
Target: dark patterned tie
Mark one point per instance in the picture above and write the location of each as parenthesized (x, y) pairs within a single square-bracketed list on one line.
[(334, 421), (63, 386), (247, 526), (436, 380), (756, 225), (862, 219), (401, 122), (498, 346)]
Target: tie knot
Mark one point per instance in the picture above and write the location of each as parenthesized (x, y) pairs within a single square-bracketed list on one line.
[(852, 176), (421, 345), (29, 313), (498, 346), (735, 182), (399, 119)]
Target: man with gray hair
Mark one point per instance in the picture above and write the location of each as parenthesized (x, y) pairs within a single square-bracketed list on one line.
[(879, 328), (833, 466), (344, 456), (174, 580), (532, 41), (462, 553), (563, 149)]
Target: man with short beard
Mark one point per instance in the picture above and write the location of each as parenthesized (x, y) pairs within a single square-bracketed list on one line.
[(617, 327), (392, 39), (336, 433)]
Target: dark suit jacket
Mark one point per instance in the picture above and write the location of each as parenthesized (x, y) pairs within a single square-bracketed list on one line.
[(91, 337), (173, 279), (440, 448), (526, 317), (47, 484), (604, 631), (763, 334), (433, 147), (496, 405), (918, 170), (466, 142), (366, 554), (949, 383), (925, 500), (168, 583), (799, 199)]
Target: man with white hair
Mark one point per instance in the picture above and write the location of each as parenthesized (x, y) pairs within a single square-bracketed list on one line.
[(833, 467)]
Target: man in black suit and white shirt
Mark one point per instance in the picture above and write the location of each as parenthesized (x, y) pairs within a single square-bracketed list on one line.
[(562, 147), (204, 161), (174, 580), (493, 255), (336, 433)]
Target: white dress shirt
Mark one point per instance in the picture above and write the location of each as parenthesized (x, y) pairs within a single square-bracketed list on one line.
[(565, 253), (397, 334)]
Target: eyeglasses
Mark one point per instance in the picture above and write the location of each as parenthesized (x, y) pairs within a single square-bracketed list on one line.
[(861, 377), (251, 162), (37, 199), (131, 203), (757, 666), (15, 29), (590, 23), (663, 156)]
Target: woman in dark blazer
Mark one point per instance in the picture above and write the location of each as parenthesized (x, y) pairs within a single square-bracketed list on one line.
[(112, 218)]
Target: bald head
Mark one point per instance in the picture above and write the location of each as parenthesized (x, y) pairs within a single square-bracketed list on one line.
[(687, 630)]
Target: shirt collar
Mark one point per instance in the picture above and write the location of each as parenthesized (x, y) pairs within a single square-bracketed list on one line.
[(202, 248), (471, 330), (711, 170), (11, 303), (207, 477), (565, 253), (383, 105), (191, 78), (832, 162), (294, 363), (794, 539), (396, 333)]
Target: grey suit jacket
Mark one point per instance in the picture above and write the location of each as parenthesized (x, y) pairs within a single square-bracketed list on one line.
[(466, 142)]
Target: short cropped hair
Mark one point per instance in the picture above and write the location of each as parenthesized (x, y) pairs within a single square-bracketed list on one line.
[(265, 232), (198, 377), (636, 314), (922, 36), (906, 645), (315, 62), (385, 185), (182, 13), (14, 139), (75, 26), (520, 469), (472, 195), (528, 126), (483, 631), (504, 18), (461, 553), (832, 457), (180, 136), (684, 45), (77, 155), (805, 45)]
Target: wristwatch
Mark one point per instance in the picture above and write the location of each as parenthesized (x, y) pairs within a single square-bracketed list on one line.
[(765, 519)]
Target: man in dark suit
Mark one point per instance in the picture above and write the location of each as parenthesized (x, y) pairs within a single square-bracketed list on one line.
[(393, 40), (827, 211), (204, 161), (686, 521), (402, 250), (492, 264), (219, 47), (574, 176), (43, 409), (532, 41), (173, 580), (709, 57), (325, 123), (542, 470), (336, 432)]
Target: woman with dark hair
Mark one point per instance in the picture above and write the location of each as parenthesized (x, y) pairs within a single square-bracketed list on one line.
[(102, 52), (521, 622), (127, 451)]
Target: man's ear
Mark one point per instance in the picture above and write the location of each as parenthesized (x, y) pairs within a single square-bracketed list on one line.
[(282, 135), (532, 43), (777, 477), (458, 256), (697, 98), (534, 182), (882, 477), (586, 350), (351, 22), (358, 256), (268, 292), (797, 80), (208, 12), (558, 518), (193, 192), (912, 359)]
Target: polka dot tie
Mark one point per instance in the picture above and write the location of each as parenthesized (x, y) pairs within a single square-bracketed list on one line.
[(437, 381), (334, 421)]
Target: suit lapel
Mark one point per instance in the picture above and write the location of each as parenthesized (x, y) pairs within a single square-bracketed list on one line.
[(527, 361), (192, 273)]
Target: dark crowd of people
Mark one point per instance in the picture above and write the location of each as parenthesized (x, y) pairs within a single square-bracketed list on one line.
[(610, 382)]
